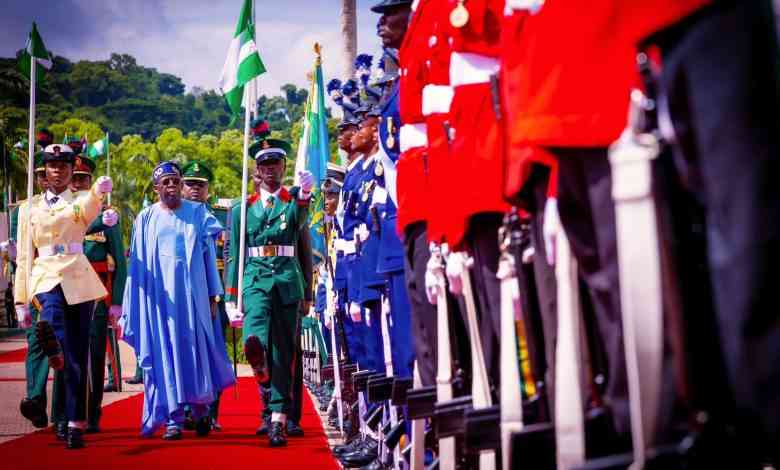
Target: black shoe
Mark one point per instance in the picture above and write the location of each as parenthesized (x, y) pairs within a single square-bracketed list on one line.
[(134, 381), (44, 333), (362, 457), (348, 447), (61, 430), (293, 429), (264, 427), (375, 465), (203, 426), (109, 388), (189, 423), (35, 411), (93, 428), (172, 434), (255, 355), (276, 435), (75, 439)]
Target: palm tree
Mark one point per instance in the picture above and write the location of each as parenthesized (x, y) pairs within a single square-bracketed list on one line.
[(349, 35), (13, 160)]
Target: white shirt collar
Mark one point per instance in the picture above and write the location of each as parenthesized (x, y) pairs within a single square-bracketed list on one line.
[(265, 194), (50, 194)]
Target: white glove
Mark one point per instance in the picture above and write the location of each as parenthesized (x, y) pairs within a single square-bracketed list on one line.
[(379, 196), (235, 316), (9, 248), (306, 180), (551, 226), (114, 312), (431, 283), (23, 316), (456, 263), (104, 185), (362, 233), (110, 217), (354, 312)]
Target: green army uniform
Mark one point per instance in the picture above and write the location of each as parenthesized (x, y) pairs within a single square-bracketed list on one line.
[(273, 285), (104, 248)]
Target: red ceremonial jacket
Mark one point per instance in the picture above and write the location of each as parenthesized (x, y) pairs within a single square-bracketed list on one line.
[(575, 66)]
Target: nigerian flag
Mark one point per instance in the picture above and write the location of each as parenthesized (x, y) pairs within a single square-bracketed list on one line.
[(243, 63), (98, 148), (35, 48)]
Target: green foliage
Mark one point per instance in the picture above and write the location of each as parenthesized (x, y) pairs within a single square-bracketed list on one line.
[(149, 118)]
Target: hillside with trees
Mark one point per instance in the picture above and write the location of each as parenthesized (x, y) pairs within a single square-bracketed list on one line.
[(149, 117)]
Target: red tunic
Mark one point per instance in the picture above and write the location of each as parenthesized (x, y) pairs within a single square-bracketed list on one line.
[(412, 183), (477, 145), (575, 66)]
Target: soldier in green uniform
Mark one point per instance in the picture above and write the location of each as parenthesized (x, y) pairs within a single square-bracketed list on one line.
[(273, 282), (197, 177), (104, 248), (33, 406)]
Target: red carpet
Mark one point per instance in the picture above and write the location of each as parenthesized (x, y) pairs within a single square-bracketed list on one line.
[(119, 445), (17, 355)]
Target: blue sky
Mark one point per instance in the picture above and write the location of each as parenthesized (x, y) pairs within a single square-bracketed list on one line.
[(189, 38)]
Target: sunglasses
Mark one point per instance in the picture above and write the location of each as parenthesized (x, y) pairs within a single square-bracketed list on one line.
[(194, 183), (172, 181)]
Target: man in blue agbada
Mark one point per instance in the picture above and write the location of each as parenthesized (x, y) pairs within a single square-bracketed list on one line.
[(170, 308)]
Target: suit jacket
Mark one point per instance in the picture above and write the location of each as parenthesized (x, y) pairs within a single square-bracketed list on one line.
[(65, 222), (279, 225)]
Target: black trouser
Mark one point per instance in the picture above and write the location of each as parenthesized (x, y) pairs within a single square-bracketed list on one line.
[(482, 238), (545, 284), (423, 312), (71, 325), (720, 80), (587, 214)]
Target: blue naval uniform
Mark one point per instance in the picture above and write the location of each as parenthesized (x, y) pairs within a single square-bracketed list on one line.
[(347, 276), (390, 261), (320, 305), (371, 282)]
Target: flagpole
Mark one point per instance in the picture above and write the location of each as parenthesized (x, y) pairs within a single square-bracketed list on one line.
[(108, 164), (242, 230), (30, 170)]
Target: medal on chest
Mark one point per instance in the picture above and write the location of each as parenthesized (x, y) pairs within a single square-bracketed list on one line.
[(390, 141), (460, 15)]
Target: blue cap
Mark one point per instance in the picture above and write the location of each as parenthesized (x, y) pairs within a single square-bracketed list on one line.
[(165, 169)]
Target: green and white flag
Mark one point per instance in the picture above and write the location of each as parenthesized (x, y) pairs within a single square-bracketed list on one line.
[(35, 48), (98, 149), (243, 63)]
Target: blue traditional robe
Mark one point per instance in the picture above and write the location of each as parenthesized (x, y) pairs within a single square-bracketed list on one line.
[(172, 272)]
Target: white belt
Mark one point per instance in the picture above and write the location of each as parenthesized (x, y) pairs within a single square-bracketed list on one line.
[(61, 249), (436, 99), (346, 246), (270, 250), (413, 135), (467, 68)]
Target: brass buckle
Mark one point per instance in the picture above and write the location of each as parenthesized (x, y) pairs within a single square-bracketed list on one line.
[(269, 250)]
